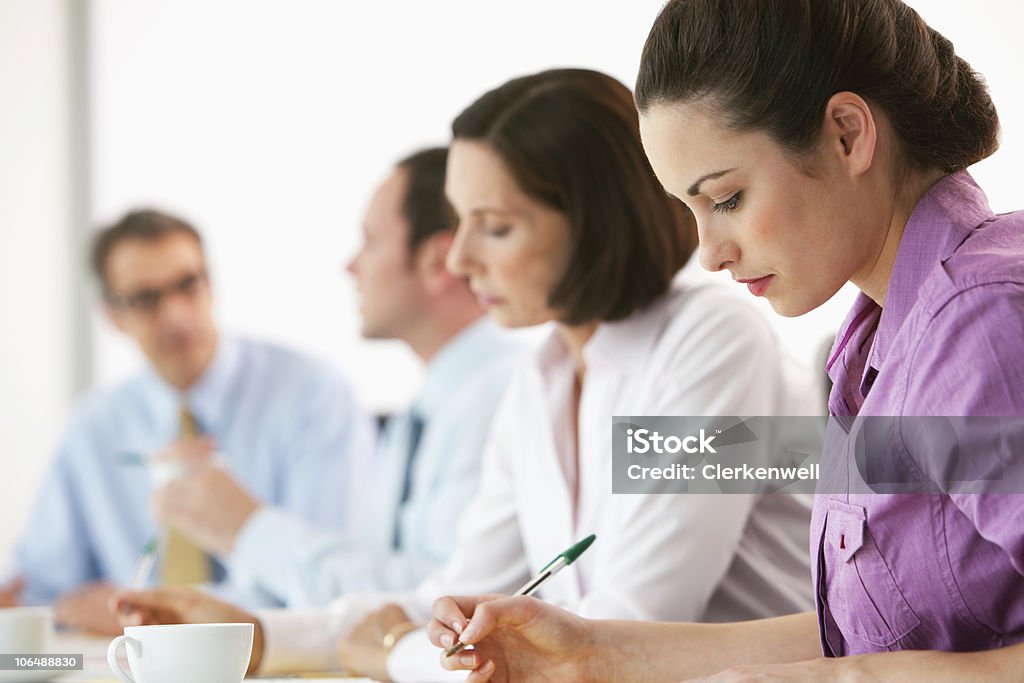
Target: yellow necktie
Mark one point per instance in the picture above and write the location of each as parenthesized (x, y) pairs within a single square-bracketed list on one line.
[(184, 564)]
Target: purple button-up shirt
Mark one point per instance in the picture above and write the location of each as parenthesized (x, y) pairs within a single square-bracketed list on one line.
[(941, 571)]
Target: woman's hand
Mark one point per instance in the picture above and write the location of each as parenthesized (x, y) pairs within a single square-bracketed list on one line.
[(514, 639), (365, 650)]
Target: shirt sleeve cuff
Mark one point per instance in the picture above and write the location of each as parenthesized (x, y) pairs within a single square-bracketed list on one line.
[(295, 641), (414, 659)]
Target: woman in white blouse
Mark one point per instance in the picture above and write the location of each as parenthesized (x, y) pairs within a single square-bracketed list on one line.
[(562, 220)]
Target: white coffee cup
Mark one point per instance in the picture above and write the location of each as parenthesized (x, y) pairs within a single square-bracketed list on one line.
[(197, 653), (26, 630)]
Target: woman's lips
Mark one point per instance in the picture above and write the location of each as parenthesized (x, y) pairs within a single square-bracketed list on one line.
[(758, 286), (487, 300)]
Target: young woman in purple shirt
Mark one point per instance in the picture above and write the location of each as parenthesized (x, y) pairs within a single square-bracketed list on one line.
[(818, 143)]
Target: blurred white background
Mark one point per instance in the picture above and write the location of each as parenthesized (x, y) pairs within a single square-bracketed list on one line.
[(267, 123)]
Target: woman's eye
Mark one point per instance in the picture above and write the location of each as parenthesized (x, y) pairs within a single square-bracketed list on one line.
[(728, 205), (498, 231)]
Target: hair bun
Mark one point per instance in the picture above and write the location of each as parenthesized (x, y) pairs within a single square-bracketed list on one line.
[(772, 65)]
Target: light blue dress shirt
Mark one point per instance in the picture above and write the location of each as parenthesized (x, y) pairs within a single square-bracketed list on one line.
[(287, 427), (304, 565)]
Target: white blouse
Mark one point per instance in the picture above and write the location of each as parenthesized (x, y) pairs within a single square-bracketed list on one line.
[(699, 350)]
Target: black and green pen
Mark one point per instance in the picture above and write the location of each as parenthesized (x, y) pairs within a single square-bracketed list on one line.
[(550, 569)]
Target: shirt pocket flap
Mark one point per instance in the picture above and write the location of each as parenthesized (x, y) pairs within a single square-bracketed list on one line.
[(845, 529)]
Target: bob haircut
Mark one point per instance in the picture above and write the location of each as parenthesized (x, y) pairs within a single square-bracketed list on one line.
[(571, 140)]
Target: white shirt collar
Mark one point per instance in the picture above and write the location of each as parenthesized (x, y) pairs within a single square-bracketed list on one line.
[(207, 397)]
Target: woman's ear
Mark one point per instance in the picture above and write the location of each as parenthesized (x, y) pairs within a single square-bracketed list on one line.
[(850, 132)]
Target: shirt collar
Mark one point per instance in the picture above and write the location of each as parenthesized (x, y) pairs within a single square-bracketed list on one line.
[(207, 398), (941, 221), (458, 358)]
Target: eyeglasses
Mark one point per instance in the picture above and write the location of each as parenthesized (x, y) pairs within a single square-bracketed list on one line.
[(148, 300)]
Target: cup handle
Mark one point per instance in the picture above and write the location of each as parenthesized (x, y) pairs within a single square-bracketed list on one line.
[(112, 662)]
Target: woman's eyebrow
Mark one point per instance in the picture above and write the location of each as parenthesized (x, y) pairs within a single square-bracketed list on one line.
[(695, 188)]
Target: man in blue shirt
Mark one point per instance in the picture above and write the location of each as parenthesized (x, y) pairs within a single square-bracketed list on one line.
[(429, 463), (286, 426)]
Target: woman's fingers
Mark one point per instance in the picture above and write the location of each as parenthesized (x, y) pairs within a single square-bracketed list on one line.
[(448, 622), (482, 674), (451, 616), (502, 612)]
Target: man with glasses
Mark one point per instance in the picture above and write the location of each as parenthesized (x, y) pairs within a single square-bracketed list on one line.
[(428, 464), (285, 427)]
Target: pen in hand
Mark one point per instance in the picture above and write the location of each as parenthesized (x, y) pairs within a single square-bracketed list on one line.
[(550, 569), (145, 566)]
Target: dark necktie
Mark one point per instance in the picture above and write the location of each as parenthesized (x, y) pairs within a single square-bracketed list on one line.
[(416, 425)]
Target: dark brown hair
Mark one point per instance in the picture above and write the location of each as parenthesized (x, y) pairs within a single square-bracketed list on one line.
[(425, 207), (571, 139), (772, 65), (143, 224)]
